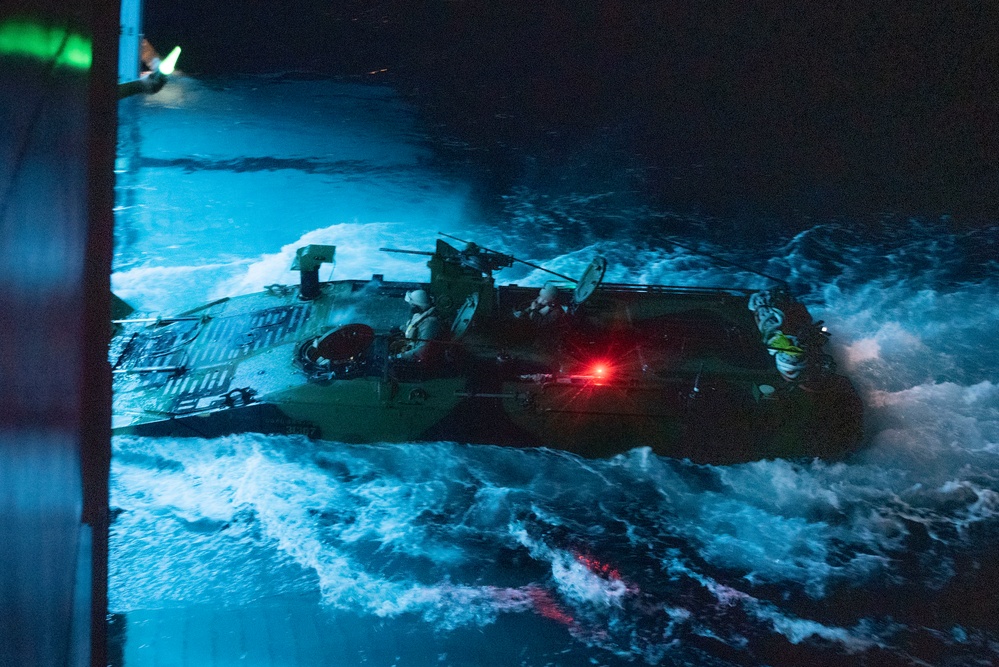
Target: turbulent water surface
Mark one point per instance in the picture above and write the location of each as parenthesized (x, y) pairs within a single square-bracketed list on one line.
[(887, 557)]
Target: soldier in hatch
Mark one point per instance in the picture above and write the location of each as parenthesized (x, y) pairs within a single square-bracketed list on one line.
[(423, 331), (545, 311)]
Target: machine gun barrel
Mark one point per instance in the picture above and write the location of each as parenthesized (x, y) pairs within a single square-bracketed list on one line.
[(408, 252)]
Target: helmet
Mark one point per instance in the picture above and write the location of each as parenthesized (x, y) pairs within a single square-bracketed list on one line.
[(418, 298), (548, 293)]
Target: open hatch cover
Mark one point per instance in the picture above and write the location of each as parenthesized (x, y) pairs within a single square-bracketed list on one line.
[(341, 344), (464, 317), (590, 281)]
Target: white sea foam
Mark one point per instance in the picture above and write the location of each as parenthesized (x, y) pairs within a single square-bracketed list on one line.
[(797, 630), (575, 581), (170, 290), (896, 335), (357, 256), (299, 515), (627, 264)]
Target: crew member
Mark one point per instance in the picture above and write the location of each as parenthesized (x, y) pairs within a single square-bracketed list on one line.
[(545, 310), (423, 330)]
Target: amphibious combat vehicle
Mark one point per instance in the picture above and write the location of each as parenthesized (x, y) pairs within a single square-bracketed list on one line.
[(713, 374)]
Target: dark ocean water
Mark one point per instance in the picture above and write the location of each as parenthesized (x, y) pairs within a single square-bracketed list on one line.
[(750, 110), (885, 558)]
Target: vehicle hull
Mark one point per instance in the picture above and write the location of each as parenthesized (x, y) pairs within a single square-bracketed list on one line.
[(683, 371)]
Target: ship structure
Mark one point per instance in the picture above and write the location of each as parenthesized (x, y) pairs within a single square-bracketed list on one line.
[(713, 374)]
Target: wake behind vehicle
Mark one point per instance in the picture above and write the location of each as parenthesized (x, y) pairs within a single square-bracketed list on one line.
[(713, 374)]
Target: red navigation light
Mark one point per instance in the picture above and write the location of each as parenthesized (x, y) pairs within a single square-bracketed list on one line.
[(600, 370)]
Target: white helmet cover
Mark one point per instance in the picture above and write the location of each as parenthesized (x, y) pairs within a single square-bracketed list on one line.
[(418, 298)]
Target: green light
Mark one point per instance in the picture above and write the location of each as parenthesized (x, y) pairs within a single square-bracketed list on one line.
[(168, 64), (27, 38)]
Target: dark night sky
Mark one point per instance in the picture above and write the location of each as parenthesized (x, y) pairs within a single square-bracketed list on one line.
[(838, 108)]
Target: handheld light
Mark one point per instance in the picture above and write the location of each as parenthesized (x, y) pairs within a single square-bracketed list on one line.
[(170, 62)]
